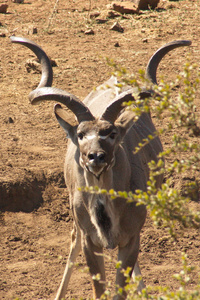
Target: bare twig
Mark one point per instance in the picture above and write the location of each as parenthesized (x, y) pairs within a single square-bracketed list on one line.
[(52, 14)]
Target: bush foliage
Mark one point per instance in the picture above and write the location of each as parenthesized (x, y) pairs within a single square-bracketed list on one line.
[(168, 205)]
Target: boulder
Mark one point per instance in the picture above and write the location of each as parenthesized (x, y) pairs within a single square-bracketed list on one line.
[(146, 4), (117, 27), (3, 8), (124, 7), (132, 7)]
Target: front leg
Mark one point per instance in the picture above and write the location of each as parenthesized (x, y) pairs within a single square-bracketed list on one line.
[(128, 257), (75, 249), (95, 262), (136, 273)]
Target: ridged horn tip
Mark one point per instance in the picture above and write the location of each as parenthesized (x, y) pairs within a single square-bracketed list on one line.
[(154, 61), (47, 72)]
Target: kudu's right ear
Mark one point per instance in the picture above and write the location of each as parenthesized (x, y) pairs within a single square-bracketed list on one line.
[(69, 126)]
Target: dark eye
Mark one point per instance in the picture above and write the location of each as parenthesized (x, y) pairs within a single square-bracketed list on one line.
[(80, 135), (112, 135)]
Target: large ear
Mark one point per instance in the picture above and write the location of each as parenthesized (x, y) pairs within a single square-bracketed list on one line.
[(70, 126), (125, 121)]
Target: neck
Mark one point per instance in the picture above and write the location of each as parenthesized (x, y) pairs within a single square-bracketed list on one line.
[(102, 209), (105, 181)]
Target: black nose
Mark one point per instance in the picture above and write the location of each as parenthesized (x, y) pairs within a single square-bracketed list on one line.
[(96, 157)]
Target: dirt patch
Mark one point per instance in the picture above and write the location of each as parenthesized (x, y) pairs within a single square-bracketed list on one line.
[(29, 190), (36, 221), (22, 195)]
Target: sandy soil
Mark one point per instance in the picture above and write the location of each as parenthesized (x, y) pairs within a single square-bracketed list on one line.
[(35, 220)]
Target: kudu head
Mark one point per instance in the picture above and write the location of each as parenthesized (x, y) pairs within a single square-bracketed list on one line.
[(96, 138)]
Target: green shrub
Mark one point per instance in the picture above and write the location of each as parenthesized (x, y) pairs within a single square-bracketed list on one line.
[(168, 205)]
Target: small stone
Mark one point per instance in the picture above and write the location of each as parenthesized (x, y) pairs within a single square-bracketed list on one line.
[(18, 1), (113, 14), (117, 27), (10, 120), (35, 30), (89, 31), (2, 34), (101, 21), (3, 8), (32, 30), (94, 15), (117, 44), (156, 281), (9, 165), (145, 40), (13, 238), (53, 62)]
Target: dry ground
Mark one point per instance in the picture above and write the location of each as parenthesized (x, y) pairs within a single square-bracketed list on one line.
[(35, 221)]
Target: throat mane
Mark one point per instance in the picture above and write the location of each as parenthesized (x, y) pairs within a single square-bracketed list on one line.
[(103, 220)]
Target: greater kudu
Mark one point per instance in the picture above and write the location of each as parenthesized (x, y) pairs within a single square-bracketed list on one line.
[(101, 154)]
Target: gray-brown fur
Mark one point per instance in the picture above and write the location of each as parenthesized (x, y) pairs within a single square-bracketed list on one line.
[(101, 154)]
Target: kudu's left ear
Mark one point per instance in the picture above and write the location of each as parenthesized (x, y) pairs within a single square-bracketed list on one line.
[(70, 126), (125, 121)]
